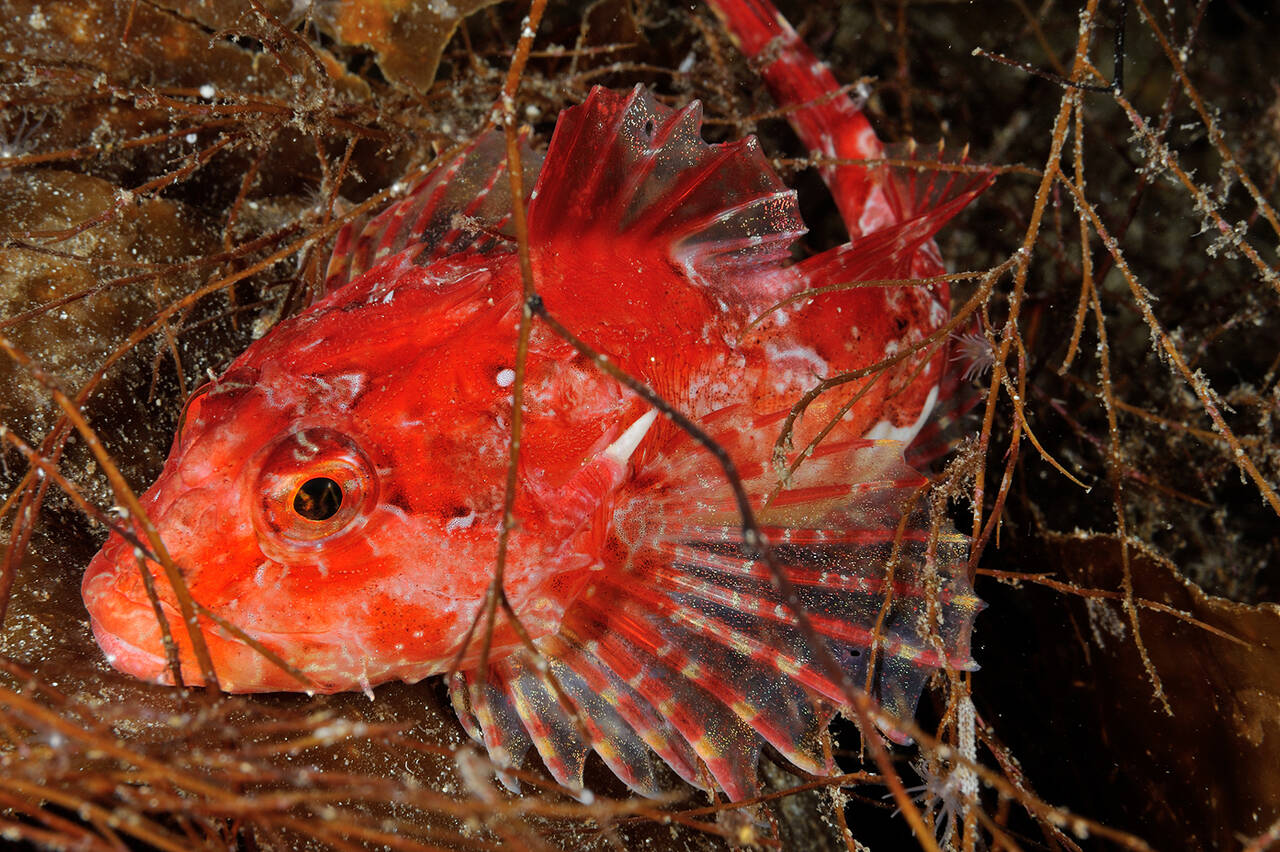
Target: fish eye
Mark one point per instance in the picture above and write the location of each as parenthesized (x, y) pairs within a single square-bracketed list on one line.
[(314, 487), (319, 499)]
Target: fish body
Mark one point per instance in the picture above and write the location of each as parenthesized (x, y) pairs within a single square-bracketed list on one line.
[(337, 493)]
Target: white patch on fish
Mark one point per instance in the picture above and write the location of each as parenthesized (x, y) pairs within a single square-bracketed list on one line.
[(885, 430)]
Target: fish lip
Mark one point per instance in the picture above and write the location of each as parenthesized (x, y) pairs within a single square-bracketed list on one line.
[(208, 627), (124, 656), (117, 618), (152, 667)]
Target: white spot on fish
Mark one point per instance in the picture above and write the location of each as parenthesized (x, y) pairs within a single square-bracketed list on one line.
[(308, 450), (801, 359), (349, 385), (885, 430), (461, 523), (337, 391), (938, 314), (506, 377)]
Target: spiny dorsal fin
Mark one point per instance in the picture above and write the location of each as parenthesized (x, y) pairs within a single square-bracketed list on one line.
[(919, 201), (623, 168), (924, 188), (461, 203)]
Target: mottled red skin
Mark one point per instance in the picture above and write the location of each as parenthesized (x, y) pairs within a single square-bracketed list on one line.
[(405, 362), (393, 600)]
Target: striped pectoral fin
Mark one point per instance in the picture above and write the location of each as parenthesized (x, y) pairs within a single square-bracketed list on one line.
[(489, 715), (564, 702), (642, 650), (693, 620), (684, 649), (517, 707)]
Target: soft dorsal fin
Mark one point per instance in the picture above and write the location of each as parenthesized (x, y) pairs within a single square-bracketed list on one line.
[(622, 168), (921, 201), (683, 645), (461, 203)]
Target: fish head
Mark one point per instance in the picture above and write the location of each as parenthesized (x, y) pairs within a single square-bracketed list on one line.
[(336, 496)]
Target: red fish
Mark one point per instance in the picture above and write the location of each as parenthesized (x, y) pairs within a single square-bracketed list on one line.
[(337, 493)]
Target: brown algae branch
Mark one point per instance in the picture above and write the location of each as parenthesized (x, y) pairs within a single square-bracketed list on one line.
[(1013, 578), (1051, 170), (504, 114), (1199, 385), (1175, 58), (1161, 157)]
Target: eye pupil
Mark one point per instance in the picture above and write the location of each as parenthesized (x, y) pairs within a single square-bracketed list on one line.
[(318, 499)]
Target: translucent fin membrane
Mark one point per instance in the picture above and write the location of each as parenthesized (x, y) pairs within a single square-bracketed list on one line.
[(489, 714), (923, 200), (622, 166), (519, 708), (460, 204), (684, 649)]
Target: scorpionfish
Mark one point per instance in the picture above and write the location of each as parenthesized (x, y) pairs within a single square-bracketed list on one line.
[(338, 492)]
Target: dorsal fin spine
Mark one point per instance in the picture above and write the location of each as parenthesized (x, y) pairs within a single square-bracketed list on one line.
[(624, 165)]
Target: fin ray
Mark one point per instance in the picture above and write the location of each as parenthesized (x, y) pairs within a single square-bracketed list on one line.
[(624, 167), (458, 204)]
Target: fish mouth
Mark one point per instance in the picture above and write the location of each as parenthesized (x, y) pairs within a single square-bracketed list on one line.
[(130, 639), (125, 625), (126, 629), (126, 657), (128, 633), (124, 622)]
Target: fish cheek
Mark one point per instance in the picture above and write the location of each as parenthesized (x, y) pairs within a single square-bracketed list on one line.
[(409, 635)]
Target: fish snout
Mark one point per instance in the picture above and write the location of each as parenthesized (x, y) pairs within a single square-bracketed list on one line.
[(124, 623), (123, 619), (121, 614)]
